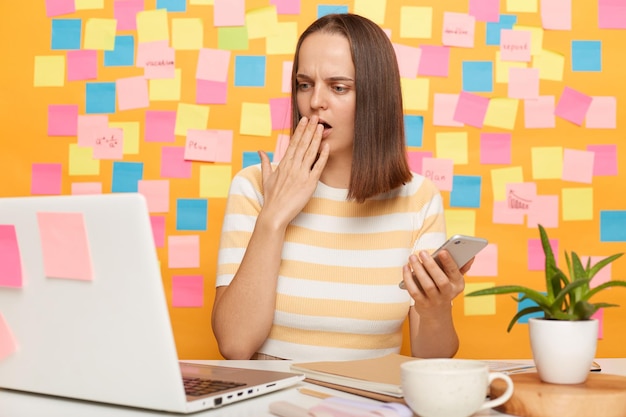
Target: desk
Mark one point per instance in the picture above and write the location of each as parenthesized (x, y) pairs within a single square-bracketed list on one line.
[(16, 404)]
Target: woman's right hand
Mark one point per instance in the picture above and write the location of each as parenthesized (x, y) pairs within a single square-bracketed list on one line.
[(289, 187)]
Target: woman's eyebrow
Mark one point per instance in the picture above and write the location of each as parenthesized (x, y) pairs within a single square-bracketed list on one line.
[(333, 78)]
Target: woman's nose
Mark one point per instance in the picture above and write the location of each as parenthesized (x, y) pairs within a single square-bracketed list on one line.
[(319, 98)]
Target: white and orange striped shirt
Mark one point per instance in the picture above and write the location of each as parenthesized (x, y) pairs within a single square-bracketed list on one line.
[(337, 291)]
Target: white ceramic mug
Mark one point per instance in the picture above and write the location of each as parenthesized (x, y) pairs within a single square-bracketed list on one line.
[(450, 387)]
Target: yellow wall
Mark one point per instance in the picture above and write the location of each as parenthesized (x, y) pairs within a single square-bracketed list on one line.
[(26, 37)]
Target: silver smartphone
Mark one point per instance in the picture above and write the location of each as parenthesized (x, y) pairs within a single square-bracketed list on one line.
[(461, 248)]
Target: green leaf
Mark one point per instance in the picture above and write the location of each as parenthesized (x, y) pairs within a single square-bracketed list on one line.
[(560, 301), (550, 265), (536, 296), (602, 287), (601, 264), (522, 313)]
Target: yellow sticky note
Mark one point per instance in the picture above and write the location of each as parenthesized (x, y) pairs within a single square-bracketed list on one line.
[(81, 161), (502, 113), (415, 93), (577, 203), (166, 89), (500, 177), (215, 181), (131, 136), (452, 145), (503, 67), (479, 306), (547, 162), (49, 71), (284, 41), (152, 25), (262, 22), (524, 6), (191, 116), (373, 10), (89, 4), (462, 222), (201, 2), (550, 64), (536, 37), (416, 22), (256, 119), (187, 34), (100, 34)]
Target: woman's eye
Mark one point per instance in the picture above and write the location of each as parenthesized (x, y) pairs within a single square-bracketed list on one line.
[(303, 86), (340, 88)]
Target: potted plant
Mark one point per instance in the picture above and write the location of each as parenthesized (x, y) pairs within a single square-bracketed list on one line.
[(563, 341)]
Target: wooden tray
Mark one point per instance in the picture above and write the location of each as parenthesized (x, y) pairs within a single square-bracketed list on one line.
[(601, 395)]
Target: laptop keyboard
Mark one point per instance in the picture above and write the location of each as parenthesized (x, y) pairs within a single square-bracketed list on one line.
[(197, 387)]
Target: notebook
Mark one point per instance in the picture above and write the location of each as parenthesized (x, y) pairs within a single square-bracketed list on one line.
[(83, 312)]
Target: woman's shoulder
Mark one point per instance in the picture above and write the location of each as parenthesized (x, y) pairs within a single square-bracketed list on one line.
[(249, 176), (420, 183)]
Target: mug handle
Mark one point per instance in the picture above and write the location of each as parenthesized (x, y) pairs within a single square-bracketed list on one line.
[(506, 395)]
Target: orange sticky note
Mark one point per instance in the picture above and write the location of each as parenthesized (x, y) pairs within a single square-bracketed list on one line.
[(8, 345), (10, 261), (64, 246)]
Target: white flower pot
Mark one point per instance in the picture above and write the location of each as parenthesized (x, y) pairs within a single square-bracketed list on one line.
[(563, 350)]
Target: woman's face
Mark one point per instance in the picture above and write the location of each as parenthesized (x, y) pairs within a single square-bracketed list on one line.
[(325, 81)]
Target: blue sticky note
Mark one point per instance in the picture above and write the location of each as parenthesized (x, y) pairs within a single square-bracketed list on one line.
[(66, 33), (414, 130), (492, 36), (528, 303), (587, 56), (253, 158), (123, 53), (465, 191), (126, 176), (612, 225), (324, 9), (100, 98), (191, 214), (172, 5), (249, 71), (478, 76)]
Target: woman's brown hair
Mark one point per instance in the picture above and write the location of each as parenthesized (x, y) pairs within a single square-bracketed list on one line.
[(379, 162)]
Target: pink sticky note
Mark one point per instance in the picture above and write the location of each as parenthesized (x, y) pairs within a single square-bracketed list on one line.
[(440, 171), (523, 83), (471, 109), (611, 14), (605, 159), (434, 61), (158, 230), (183, 251), (602, 113), (125, 12), (444, 106), (81, 188), (282, 142), (286, 78), (599, 315), (515, 45), (544, 211), (416, 159), (157, 59), (173, 164), (64, 246), (502, 214), (521, 196), (209, 145), (573, 106), (458, 30), (408, 58), (82, 64), (157, 193), (46, 179), (59, 7), (10, 259), (287, 6), (229, 13), (187, 291), (8, 344), (280, 109), (485, 10), (578, 166), (536, 257), (62, 119), (495, 148), (211, 92), (132, 93), (160, 126), (539, 112), (109, 144), (89, 126), (213, 65), (485, 263), (556, 14)]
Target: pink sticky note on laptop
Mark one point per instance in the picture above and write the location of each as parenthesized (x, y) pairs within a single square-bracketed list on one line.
[(8, 345), (10, 261)]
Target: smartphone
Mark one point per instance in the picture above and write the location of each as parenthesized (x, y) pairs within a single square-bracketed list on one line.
[(461, 248)]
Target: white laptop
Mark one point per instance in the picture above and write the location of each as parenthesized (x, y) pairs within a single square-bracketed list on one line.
[(97, 327)]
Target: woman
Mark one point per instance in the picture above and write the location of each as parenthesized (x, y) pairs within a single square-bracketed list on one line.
[(312, 249)]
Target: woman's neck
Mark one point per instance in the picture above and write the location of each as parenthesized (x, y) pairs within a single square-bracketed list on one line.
[(337, 173)]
